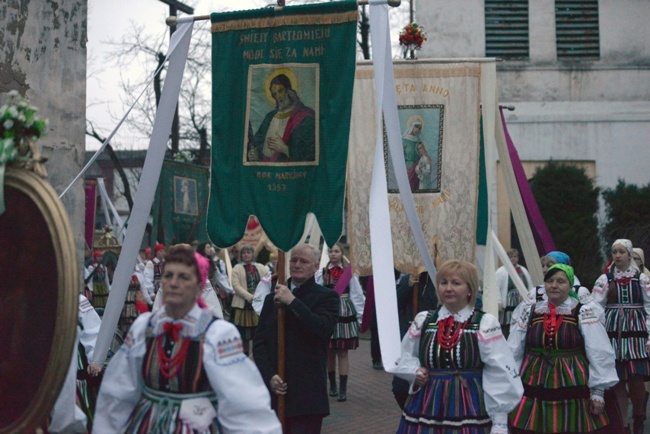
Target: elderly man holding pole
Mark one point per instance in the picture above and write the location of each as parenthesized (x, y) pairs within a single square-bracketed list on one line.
[(311, 314)]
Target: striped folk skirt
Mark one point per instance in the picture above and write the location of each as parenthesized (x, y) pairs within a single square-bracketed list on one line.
[(556, 395), (346, 331), (246, 321), (158, 412), (627, 331), (452, 402)]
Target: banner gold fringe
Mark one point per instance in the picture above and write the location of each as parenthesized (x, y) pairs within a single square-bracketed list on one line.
[(295, 20), (463, 71)]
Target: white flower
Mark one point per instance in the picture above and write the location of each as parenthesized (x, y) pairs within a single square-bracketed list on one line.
[(3, 109), (21, 117), (8, 124), (13, 111), (13, 93)]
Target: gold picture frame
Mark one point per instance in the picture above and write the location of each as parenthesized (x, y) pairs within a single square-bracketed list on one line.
[(39, 300)]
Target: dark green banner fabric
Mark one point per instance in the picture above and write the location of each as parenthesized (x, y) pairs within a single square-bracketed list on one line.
[(180, 206), (281, 98), (482, 207)]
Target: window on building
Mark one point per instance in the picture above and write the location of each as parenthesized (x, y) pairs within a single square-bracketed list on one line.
[(506, 29), (576, 29)]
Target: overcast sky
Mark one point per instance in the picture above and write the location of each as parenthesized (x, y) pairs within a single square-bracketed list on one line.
[(111, 20)]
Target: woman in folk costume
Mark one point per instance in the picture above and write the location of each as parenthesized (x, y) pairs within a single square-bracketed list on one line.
[(129, 311), (561, 348), (98, 281), (181, 369), (245, 277), (346, 332), (624, 292), (639, 259), (462, 373), (547, 261)]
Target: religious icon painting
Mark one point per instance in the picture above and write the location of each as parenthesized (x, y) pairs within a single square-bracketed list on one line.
[(282, 119), (185, 198), (422, 132)]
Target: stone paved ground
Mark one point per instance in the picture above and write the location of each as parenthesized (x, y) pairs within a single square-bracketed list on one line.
[(370, 407)]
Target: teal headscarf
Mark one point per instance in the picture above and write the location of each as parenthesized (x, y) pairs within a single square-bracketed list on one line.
[(566, 269)]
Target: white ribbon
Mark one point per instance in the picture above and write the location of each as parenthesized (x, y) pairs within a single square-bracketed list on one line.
[(503, 256), (107, 205), (491, 295), (380, 230), (178, 49)]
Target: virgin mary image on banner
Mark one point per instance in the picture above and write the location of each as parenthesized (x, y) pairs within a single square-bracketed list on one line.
[(185, 196), (282, 125), (422, 145)]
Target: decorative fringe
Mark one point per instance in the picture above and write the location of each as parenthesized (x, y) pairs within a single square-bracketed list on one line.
[(293, 20)]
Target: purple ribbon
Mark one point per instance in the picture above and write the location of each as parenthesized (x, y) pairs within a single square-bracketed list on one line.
[(369, 308), (343, 281), (543, 239)]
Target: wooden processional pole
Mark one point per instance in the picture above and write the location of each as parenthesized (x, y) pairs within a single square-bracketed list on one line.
[(282, 279)]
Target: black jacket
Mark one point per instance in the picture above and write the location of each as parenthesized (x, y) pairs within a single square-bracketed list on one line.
[(309, 324)]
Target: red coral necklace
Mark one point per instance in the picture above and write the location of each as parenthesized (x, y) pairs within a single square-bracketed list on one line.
[(169, 365), (447, 337), (552, 321)]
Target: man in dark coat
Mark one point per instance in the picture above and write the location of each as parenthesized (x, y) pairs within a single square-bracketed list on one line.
[(311, 314)]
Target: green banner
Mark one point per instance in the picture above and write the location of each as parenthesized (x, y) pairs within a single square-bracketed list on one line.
[(281, 92), (482, 206), (180, 206)]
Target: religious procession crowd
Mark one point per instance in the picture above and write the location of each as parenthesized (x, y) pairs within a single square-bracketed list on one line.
[(200, 349)]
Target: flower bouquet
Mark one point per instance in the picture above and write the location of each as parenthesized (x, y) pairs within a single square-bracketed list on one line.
[(411, 38), (20, 127)]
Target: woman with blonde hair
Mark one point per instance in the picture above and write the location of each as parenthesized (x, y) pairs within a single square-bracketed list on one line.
[(462, 373)]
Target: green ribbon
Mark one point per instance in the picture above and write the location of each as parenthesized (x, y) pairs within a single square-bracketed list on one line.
[(8, 153), (568, 270)]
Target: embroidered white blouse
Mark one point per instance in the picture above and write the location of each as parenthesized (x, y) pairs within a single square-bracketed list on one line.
[(501, 383), (602, 286), (602, 368), (244, 403)]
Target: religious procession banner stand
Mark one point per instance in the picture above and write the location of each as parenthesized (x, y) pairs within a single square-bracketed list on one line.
[(181, 203), (280, 135), (280, 131), (438, 109)]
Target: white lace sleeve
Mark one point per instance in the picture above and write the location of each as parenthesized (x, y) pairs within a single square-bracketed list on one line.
[(501, 383), (599, 292), (122, 384), (244, 403), (602, 368), (357, 297), (518, 330), (409, 360), (261, 291), (644, 282)]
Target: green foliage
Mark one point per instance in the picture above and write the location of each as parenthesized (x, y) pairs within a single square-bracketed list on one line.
[(568, 201), (628, 215)]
